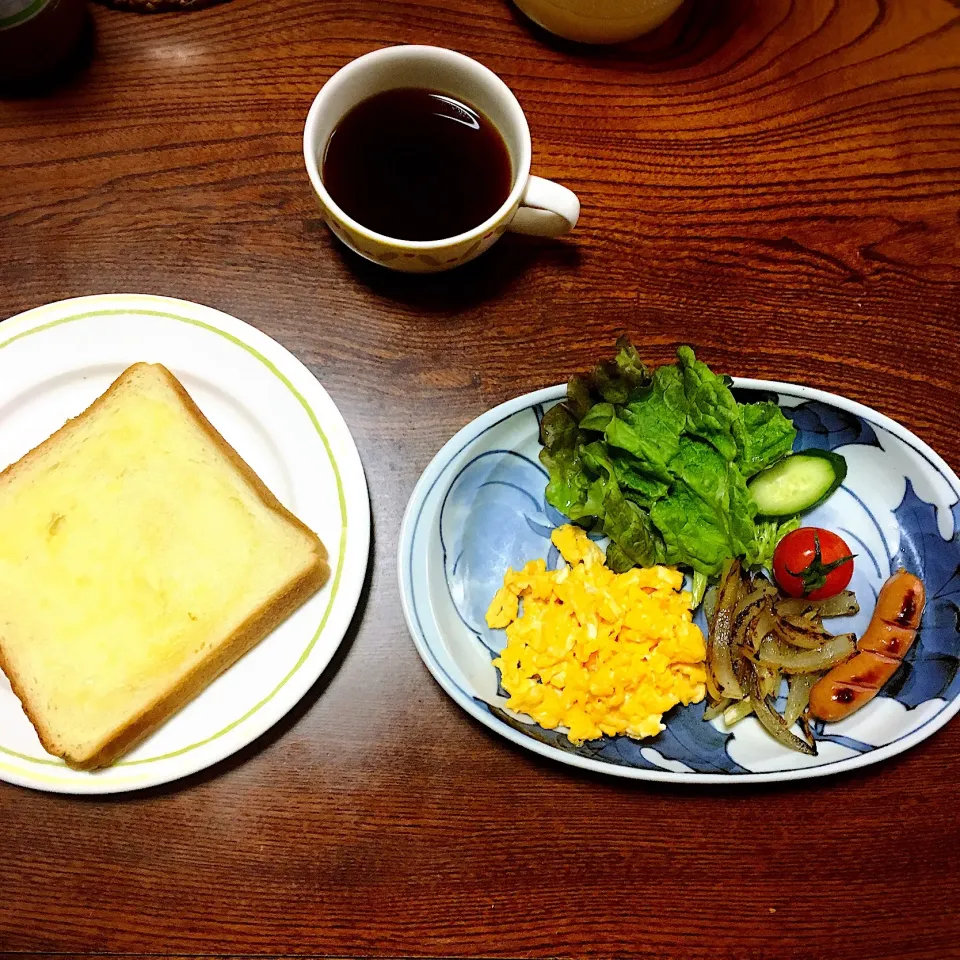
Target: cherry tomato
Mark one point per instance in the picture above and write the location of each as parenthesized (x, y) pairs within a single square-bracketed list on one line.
[(812, 562)]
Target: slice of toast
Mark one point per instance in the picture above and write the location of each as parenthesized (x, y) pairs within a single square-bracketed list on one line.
[(139, 558)]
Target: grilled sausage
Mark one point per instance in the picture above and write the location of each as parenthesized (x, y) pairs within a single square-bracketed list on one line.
[(896, 617)]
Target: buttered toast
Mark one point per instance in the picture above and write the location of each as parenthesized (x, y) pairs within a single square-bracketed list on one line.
[(139, 558)]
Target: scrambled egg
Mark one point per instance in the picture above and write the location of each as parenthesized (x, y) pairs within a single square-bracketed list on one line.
[(595, 651)]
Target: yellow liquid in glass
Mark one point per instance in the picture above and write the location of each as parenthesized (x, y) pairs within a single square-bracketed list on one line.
[(598, 21)]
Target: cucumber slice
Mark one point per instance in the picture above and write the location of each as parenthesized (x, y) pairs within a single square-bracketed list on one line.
[(797, 483)]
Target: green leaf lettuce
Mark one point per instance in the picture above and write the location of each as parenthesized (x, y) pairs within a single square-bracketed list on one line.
[(660, 462)]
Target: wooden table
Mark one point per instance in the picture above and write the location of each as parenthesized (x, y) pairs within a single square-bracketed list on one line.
[(775, 182)]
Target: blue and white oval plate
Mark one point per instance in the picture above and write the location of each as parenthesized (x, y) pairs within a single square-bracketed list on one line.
[(479, 508)]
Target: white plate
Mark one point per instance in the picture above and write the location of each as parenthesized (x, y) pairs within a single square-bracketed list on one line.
[(479, 507), (54, 361)]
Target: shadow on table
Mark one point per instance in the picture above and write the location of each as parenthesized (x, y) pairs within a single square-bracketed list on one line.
[(71, 73), (268, 737), (486, 278), (692, 35)]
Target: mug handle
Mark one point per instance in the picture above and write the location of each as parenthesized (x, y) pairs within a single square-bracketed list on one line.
[(546, 209)]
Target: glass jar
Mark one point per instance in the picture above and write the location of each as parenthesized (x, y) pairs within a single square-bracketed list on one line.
[(598, 21)]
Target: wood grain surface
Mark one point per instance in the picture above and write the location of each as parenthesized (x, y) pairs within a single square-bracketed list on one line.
[(776, 182)]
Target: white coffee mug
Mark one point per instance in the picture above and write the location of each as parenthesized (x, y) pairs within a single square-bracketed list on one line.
[(534, 206)]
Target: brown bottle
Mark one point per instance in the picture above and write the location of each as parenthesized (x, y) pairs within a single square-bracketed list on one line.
[(37, 39)]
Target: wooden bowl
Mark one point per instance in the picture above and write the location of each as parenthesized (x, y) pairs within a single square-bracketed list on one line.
[(158, 6)]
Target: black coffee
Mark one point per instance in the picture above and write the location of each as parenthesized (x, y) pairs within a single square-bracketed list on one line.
[(417, 165)]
